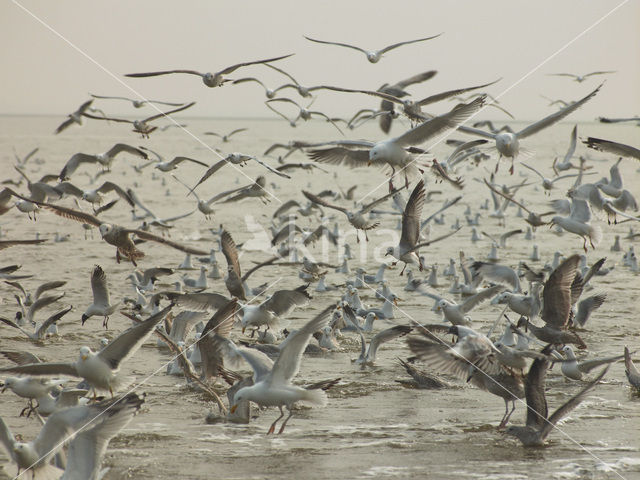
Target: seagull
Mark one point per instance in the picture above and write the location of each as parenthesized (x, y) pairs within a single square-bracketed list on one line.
[(272, 382), (94, 196), (407, 249), (75, 117), (578, 222), (566, 164), (396, 152), (539, 424), (40, 331), (138, 103), (575, 370), (100, 369), (117, 235), (548, 183), (374, 55), (233, 280), (397, 90), (508, 144), (101, 305), (28, 298), (368, 354), (275, 308), (225, 138), (356, 219), (455, 313), (581, 78), (89, 427), (105, 159), (303, 113), (630, 369), (142, 126), (209, 79)]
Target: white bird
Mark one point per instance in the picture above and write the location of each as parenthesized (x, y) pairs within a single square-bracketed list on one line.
[(89, 427), (40, 331), (75, 117), (272, 381), (455, 313), (101, 305), (137, 103), (581, 78), (578, 222), (576, 370), (407, 249), (395, 153), (105, 159), (275, 308), (225, 138), (368, 354), (374, 55), (100, 369), (209, 79), (508, 144)]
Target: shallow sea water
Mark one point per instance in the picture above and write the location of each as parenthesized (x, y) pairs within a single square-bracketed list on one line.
[(372, 427)]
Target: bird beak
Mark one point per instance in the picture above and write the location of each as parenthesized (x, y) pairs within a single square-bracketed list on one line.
[(395, 301), (83, 357), (233, 408)]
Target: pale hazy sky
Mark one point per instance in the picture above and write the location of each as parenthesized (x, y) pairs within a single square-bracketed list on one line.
[(481, 41)]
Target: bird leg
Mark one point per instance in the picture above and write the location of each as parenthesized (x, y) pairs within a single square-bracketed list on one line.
[(110, 391), (402, 272), (117, 255), (273, 425), (285, 421), (105, 322), (366, 237)]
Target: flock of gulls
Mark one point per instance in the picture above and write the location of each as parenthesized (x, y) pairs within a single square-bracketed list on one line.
[(219, 328)]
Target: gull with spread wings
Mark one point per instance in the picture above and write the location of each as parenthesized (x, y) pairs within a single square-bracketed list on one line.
[(357, 218), (407, 249), (373, 55), (117, 235), (209, 79), (398, 152)]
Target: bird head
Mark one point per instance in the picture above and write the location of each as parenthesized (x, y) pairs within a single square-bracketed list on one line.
[(85, 352), (105, 228), (84, 318)]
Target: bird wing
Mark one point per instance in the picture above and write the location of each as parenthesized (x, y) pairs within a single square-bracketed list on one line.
[(218, 326), (197, 301), (534, 386), (507, 197), (580, 210), (434, 240), (480, 297), (110, 186), (411, 217), (232, 68), (155, 238), (336, 43), (399, 44), (42, 330), (163, 72), (71, 214), (612, 147), (7, 440), (123, 147), (569, 405), (40, 304), (129, 341), (43, 369), (419, 78), (288, 362), (342, 155), (165, 114), (21, 357), (283, 302), (212, 169), (586, 306), (450, 93), (556, 294), (572, 144), (271, 169), (85, 452), (230, 252), (75, 161), (555, 117), (385, 336), (99, 287), (440, 124), (178, 160), (533, 170), (367, 208), (286, 206), (320, 201), (588, 365), (69, 188)]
